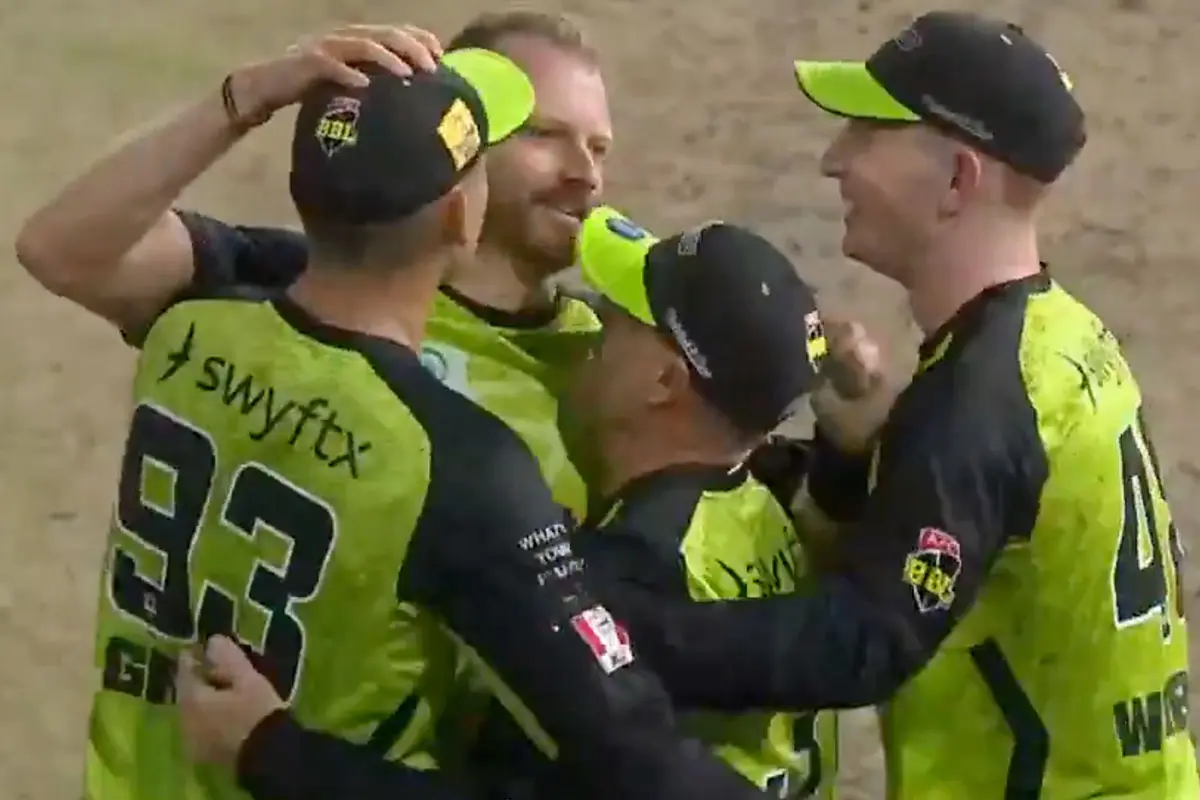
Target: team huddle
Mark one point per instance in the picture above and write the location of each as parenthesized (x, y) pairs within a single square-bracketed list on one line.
[(397, 518)]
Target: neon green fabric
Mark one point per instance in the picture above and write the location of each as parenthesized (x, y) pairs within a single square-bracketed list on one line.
[(503, 88), (846, 88), (612, 257)]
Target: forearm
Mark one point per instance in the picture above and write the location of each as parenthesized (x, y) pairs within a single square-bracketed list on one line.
[(825, 650), (98, 218), (281, 760)]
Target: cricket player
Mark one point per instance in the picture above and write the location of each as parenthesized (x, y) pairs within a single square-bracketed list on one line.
[(497, 334), (356, 522), (674, 405), (1009, 583)]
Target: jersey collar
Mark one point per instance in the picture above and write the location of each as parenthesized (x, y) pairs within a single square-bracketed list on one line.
[(964, 322), (705, 477)]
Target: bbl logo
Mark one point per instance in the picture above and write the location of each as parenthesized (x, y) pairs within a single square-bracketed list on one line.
[(932, 570), (338, 126), (435, 362)]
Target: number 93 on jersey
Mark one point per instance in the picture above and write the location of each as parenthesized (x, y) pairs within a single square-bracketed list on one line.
[(179, 556)]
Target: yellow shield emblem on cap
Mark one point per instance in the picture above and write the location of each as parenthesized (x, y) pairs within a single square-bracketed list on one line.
[(460, 133)]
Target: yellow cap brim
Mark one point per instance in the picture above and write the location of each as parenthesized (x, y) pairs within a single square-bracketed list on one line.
[(504, 90), (846, 88), (612, 257)]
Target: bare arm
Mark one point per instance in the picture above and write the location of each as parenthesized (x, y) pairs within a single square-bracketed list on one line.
[(108, 240)]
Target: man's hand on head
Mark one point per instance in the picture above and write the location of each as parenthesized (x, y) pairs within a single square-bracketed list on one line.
[(258, 90)]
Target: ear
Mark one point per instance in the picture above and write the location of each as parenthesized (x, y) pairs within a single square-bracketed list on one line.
[(672, 381), (966, 176), (455, 218)]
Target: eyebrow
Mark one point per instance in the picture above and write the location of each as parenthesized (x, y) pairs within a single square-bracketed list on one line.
[(541, 120)]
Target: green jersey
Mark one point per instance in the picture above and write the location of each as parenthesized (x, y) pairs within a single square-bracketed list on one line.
[(1009, 590), (1088, 594), (737, 542), (251, 498), (518, 371), (318, 495), (695, 534)]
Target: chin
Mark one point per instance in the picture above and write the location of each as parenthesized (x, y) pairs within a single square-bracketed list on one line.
[(551, 255)]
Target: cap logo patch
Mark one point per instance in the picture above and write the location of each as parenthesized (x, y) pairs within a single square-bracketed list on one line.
[(626, 229), (338, 125), (816, 344), (459, 133)]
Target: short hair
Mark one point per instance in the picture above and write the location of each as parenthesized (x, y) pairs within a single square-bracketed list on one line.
[(491, 28), (356, 246)]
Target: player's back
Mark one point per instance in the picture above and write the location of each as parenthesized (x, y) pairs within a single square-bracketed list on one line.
[(1068, 678), (707, 533), (271, 483), (741, 544)]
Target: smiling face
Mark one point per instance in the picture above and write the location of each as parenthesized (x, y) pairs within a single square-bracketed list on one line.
[(547, 177), (895, 180), (622, 377)]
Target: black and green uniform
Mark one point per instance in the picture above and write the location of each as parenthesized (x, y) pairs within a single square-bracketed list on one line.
[(319, 495), (711, 533), (1010, 589)]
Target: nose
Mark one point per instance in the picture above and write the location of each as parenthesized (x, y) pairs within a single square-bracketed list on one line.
[(833, 160), (581, 166)]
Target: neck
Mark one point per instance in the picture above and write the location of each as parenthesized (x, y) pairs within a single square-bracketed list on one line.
[(970, 261), (630, 454), (390, 305), (499, 280)]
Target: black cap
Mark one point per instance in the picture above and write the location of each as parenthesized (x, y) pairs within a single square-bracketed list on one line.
[(381, 153), (980, 80), (731, 302)]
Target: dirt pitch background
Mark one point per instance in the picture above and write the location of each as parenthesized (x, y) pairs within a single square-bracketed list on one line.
[(709, 125)]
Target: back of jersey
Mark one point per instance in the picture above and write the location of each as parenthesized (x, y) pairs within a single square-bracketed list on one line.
[(269, 487), (741, 544), (1105, 557)]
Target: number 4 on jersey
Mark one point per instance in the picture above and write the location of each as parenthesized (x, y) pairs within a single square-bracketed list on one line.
[(1145, 552)]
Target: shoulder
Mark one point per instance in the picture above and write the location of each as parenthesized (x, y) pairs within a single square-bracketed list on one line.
[(226, 254), (578, 310), (980, 386), (477, 461)]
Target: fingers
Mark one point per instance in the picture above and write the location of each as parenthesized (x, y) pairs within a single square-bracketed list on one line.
[(336, 57), (412, 46), (191, 679), (225, 661), (855, 364)]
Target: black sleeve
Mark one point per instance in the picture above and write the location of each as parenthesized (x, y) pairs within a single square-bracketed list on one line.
[(231, 255), (838, 482), (781, 464), (930, 531), (238, 254), (492, 556), (281, 760), (617, 560)]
